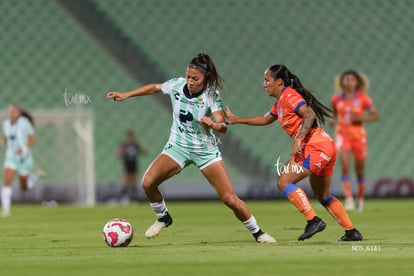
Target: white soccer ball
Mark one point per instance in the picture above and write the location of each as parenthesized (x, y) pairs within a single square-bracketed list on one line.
[(118, 232)]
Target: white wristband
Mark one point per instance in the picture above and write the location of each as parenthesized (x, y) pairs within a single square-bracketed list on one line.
[(25, 150)]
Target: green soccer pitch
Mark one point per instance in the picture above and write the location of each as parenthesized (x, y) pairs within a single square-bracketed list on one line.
[(205, 239)]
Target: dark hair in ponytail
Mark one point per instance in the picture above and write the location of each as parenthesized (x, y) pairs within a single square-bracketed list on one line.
[(205, 64), (29, 116), (26, 114), (282, 72)]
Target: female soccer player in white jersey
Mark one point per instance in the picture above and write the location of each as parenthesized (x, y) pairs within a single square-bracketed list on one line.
[(194, 100), (19, 137)]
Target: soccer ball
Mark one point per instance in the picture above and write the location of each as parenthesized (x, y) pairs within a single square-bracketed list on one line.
[(117, 232)]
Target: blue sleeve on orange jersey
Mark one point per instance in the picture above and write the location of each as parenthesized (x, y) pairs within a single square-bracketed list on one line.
[(273, 110), (272, 114), (299, 106)]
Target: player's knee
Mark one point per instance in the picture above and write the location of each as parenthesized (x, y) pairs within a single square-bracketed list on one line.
[(360, 173), (344, 170), (147, 181), (231, 200), (282, 183), (321, 196)]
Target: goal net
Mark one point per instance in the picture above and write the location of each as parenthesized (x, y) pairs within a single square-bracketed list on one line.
[(64, 150)]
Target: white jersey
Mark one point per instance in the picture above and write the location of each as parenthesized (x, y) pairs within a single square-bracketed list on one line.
[(17, 135), (187, 131)]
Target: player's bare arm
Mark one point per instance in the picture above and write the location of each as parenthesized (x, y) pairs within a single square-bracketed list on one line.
[(141, 91), (308, 119), (4, 141), (258, 120), (333, 119)]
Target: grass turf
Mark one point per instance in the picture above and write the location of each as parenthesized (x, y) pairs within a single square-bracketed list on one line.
[(205, 239)]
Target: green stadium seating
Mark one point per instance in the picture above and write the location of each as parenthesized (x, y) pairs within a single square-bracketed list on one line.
[(315, 39), (44, 50)]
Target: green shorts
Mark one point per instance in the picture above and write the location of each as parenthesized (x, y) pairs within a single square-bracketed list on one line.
[(23, 166), (185, 157)]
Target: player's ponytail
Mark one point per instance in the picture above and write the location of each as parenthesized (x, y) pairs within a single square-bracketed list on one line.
[(25, 114), (291, 80), (205, 64), (29, 116)]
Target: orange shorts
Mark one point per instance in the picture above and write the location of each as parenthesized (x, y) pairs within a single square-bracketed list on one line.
[(319, 158), (358, 147)]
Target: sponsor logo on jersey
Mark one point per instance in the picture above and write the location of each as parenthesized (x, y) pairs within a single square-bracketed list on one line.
[(325, 157), (185, 116), (200, 103)]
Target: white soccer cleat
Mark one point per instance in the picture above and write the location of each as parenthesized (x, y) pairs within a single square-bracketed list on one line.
[(265, 238), (360, 206), (5, 214), (349, 204), (34, 177), (155, 229), (32, 180)]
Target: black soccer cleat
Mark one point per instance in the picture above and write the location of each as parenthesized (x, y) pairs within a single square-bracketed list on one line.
[(351, 235), (314, 226)]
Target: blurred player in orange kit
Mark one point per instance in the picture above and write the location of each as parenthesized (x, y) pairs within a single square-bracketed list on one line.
[(313, 152), (349, 109)]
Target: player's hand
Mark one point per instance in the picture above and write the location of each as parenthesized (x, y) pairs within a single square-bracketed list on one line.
[(296, 149), (357, 119), (22, 152), (207, 121), (332, 123), (117, 96), (231, 118)]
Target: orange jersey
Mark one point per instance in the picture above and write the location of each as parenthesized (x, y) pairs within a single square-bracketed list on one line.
[(286, 110), (345, 108)]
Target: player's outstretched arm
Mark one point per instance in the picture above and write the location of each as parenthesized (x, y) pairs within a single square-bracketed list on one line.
[(141, 91), (258, 120)]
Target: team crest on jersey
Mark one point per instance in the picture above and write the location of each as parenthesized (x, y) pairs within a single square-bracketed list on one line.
[(356, 102), (280, 113), (200, 103)]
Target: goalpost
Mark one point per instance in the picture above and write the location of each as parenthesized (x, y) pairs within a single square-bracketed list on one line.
[(64, 150)]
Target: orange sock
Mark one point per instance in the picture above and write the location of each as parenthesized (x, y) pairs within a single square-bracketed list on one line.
[(346, 184), (337, 211), (297, 196), (361, 188)]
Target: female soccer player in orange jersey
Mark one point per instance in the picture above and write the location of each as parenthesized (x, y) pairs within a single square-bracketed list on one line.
[(349, 107), (313, 152)]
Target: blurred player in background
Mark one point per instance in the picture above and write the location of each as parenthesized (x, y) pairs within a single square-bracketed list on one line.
[(349, 107), (313, 152), (19, 136), (194, 99), (129, 152)]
